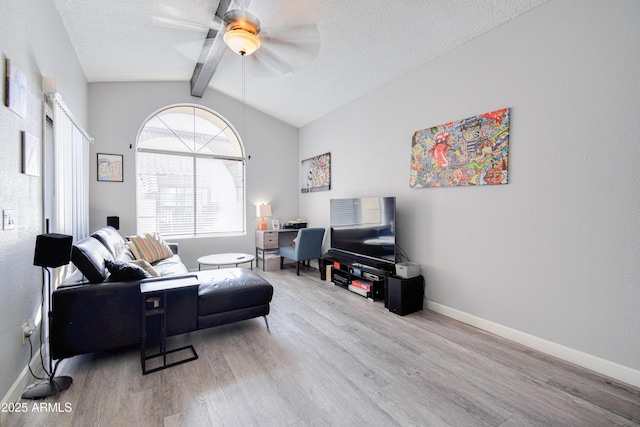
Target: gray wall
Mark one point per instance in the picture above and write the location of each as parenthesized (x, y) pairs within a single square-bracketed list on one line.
[(552, 258), (31, 35), (118, 110)]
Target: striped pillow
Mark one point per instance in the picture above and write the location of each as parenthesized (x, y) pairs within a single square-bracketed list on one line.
[(133, 250), (151, 248)]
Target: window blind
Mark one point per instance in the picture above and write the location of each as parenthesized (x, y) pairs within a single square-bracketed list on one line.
[(190, 174), (71, 176)]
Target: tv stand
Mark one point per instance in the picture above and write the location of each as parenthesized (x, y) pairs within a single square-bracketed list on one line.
[(355, 259), (363, 278)]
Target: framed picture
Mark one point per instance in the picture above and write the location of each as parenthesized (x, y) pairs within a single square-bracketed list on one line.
[(110, 167), (30, 154), (275, 224), (468, 152), (16, 89), (315, 174)]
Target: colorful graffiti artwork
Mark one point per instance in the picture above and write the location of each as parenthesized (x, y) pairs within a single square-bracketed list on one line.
[(473, 151), (315, 174)]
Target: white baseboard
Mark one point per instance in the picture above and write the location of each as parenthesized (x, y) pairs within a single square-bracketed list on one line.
[(20, 384), (593, 363)]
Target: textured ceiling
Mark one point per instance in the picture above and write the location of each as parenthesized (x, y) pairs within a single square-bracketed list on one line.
[(349, 49)]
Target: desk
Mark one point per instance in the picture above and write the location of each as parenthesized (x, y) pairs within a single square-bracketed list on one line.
[(273, 239)]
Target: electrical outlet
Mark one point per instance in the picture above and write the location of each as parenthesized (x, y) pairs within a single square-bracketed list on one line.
[(25, 332), (27, 329)]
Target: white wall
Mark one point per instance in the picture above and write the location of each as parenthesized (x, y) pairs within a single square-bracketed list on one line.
[(552, 258), (117, 112), (32, 36)]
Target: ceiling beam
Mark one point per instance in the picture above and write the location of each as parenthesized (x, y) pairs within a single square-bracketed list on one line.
[(211, 54)]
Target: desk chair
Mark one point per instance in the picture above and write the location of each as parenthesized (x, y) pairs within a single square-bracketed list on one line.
[(308, 245)]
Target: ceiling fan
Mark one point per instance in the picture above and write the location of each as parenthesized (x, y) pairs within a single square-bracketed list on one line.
[(241, 31)]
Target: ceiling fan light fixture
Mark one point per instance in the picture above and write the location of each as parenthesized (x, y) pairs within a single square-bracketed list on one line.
[(242, 41)]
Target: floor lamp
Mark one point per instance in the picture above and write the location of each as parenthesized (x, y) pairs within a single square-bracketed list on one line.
[(52, 250)]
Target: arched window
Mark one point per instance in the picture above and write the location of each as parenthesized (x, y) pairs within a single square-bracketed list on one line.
[(190, 174)]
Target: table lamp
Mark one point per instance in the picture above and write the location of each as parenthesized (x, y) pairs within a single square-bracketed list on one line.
[(52, 250), (263, 210)]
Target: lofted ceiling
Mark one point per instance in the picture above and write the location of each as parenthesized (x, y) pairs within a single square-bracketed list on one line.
[(337, 50)]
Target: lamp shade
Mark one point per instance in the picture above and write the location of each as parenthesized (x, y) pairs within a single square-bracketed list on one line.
[(264, 210), (52, 250), (242, 41)]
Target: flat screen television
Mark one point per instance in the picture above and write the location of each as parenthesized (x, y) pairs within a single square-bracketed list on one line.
[(364, 227)]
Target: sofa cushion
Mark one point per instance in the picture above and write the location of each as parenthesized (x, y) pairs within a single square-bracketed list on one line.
[(89, 255), (111, 239), (231, 289), (151, 248), (121, 270), (169, 266)]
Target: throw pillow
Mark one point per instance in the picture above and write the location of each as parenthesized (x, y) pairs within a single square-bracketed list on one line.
[(164, 244), (133, 250), (151, 249), (145, 266), (120, 270)]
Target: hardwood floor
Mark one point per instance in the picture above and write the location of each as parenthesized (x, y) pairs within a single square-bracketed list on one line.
[(335, 358)]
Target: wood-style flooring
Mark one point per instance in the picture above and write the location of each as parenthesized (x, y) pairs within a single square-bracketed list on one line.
[(333, 358)]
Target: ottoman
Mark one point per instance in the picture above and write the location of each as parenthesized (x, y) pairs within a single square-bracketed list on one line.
[(230, 295)]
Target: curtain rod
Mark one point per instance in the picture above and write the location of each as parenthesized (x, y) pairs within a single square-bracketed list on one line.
[(55, 97)]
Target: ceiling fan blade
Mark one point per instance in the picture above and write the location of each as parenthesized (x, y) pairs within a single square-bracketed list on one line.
[(269, 63), (190, 18), (300, 38), (179, 24), (195, 49), (206, 47)]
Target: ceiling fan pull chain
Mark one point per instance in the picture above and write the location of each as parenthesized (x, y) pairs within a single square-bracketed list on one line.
[(244, 107)]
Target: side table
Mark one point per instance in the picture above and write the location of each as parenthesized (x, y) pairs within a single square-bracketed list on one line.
[(225, 259), (156, 296)]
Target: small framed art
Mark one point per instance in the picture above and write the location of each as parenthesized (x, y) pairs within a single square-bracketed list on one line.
[(110, 167), (315, 174), (16, 89), (30, 154)]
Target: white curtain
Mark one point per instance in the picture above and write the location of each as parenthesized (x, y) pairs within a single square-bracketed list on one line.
[(71, 145)]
